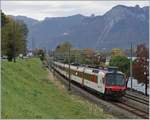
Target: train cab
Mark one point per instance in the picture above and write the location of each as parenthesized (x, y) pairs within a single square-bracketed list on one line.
[(115, 84)]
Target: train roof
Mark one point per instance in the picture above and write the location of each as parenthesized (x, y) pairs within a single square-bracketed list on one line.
[(105, 70), (118, 72)]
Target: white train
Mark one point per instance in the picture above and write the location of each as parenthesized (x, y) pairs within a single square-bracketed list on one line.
[(107, 82)]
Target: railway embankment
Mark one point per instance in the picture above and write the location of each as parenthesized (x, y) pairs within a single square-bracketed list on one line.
[(31, 91)]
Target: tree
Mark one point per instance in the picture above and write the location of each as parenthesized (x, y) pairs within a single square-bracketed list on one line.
[(62, 51), (117, 52), (4, 19), (63, 47), (41, 54), (88, 56), (122, 62), (141, 65), (14, 34), (88, 52)]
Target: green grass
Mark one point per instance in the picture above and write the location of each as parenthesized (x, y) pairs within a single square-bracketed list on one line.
[(27, 93)]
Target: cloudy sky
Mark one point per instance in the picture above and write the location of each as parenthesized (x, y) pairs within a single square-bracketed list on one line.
[(41, 9)]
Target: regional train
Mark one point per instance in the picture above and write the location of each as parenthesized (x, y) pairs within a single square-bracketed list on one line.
[(107, 82)]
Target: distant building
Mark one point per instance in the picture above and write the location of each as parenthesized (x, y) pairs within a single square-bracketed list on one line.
[(133, 58), (29, 53), (107, 60), (20, 55)]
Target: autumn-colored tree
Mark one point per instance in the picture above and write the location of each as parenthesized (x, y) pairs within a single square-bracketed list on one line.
[(88, 52), (88, 55), (141, 65), (62, 52), (76, 55), (117, 52), (63, 47)]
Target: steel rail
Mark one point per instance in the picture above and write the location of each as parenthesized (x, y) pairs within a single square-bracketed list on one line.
[(137, 99), (133, 110)]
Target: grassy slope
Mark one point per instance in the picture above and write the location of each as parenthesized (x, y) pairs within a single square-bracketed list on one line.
[(27, 93)]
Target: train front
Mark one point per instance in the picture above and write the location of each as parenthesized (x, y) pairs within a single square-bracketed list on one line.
[(115, 84)]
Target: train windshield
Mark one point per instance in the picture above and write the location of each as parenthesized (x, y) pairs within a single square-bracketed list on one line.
[(115, 79)]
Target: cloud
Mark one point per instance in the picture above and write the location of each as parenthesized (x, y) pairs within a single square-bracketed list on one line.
[(41, 9)]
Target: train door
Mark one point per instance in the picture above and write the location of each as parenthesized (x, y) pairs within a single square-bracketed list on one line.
[(83, 76), (101, 84)]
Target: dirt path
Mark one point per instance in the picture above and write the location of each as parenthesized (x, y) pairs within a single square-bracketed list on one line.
[(56, 82)]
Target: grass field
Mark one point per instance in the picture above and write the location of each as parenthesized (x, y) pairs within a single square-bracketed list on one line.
[(27, 92)]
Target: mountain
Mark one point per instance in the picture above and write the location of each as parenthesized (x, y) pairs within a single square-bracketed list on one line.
[(29, 21), (116, 28)]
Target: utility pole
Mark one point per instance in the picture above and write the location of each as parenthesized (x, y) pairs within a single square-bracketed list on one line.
[(146, 83), (45, 51), (33, 47), (14, 41), (69, 68), (146, 75), (32, 42), (53, 62), (92, 61), (75, 57), (131, 65)]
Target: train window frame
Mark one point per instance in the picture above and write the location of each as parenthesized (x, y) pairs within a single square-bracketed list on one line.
[(116, 74), (89, 77), (95, 71)]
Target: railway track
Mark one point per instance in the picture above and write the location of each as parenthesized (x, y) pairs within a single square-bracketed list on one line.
[(132, 109), (137, 99), (136, 103), (123, 105), (137, 92)]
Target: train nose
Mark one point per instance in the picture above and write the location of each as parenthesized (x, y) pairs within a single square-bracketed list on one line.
[(115, 89)]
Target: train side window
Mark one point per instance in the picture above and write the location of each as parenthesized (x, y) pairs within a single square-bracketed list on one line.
[(76, 73), (94, 78)]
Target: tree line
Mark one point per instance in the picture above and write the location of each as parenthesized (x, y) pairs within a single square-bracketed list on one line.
[(14, 34)]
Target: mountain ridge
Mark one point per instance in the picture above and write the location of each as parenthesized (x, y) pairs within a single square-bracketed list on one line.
[(118, 27)]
